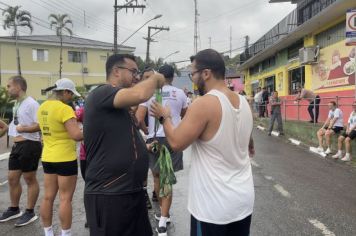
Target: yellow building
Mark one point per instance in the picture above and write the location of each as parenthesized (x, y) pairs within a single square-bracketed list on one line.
[(307, 47), (83, 60)]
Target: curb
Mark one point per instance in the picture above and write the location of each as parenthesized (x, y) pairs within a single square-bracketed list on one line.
[(296, 142)]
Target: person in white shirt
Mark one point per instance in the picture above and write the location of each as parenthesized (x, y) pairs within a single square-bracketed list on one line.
[(333, 125), (347, 136), (258, 99), (176, 100), (218, 125), (25, 153)]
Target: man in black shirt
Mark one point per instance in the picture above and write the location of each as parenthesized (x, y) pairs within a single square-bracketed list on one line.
[(117, 161)]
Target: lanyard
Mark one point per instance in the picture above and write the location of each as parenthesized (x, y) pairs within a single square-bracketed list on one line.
[(17, 106)]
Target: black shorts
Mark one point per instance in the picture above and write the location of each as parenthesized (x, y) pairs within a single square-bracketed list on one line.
[(67, 168), (336, 129), (238, 228), (25, 156), (177, 157), (351, 135), (113, 215)]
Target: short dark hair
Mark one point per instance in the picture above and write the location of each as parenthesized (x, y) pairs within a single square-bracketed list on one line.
[(210, 59), (19, 80), (167, 71), (116, 60), (333, 102)]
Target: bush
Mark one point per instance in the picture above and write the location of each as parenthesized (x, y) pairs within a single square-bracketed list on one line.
[(6, 104)]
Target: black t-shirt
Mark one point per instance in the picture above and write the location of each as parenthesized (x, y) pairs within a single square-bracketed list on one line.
[(110, 137)]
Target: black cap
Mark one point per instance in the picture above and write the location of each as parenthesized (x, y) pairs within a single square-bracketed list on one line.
[(167, 71)]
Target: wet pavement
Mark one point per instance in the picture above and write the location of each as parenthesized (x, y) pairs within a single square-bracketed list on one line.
[(297, 193)]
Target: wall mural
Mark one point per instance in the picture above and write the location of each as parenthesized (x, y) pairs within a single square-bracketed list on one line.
[(336, 67)]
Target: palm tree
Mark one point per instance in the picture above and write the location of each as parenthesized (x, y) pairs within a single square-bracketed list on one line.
[(15, 18), (60, 23)]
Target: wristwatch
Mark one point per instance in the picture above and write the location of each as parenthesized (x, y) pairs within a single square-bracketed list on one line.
[(162, 119)]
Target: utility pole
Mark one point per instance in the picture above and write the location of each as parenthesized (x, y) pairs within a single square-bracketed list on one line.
[(128, 5), (230, 41), (196, 14), (209, 42), (247, 39), (150, 39)]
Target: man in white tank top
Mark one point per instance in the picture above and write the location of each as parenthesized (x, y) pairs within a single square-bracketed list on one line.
[(218, 125)]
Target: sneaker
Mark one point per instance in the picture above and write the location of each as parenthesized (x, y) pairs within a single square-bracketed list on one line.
[(346, 158), (162, 231), (281, 133), (158, 217), (337, 155), (154, 197), (9, 215), (148, 202), (328, 151), (320, 149), (26, 219)]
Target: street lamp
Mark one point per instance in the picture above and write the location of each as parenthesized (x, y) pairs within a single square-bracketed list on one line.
[(154, 18), (170, 55)]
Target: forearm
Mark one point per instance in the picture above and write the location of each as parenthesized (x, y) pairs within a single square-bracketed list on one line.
[(331, 124), (31, 128), (145, 89), (169, 132)]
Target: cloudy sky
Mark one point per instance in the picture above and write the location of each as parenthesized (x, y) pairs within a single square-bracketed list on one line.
[(94, 19)]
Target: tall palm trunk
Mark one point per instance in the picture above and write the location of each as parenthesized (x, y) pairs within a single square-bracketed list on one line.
[(60, 58), (17, 53)]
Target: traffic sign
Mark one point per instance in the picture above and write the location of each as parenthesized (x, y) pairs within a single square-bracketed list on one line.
[(351, 27)]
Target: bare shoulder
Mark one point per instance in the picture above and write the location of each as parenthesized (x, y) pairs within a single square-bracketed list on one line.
[(207, 104)]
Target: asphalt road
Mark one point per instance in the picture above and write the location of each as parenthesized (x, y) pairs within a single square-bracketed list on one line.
[(297, 193)]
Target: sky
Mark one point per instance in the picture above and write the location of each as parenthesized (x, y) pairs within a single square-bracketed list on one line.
[(94, 19)]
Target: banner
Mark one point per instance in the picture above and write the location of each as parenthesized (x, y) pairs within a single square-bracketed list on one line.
[(336, 67)]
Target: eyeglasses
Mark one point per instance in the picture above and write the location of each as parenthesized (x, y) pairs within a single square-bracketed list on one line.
[(134, 72), (190, 75)]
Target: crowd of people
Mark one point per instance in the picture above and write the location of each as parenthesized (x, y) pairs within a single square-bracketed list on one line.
[(333, 125), (115, 155)]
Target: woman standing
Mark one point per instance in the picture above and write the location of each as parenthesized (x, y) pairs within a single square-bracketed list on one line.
[(59, 160)]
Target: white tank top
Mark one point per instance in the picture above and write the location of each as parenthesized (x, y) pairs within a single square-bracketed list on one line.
[(221, 187)]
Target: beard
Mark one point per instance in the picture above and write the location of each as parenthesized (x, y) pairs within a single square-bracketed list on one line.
[(201, 86)]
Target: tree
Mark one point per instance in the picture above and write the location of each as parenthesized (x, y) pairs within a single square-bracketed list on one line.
[(15, 18), (61, 24)]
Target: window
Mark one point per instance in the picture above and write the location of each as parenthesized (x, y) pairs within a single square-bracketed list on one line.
[(103, 58), (39, 55), (77, 57), (331, 35), (296, 77), (270, 62), (293, 50), (270, 84), (307, 9), (255, 69)]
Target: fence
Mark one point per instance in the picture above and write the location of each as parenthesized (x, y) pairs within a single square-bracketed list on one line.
[(298, 110)]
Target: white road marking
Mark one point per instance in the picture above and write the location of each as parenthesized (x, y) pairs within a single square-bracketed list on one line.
[(282, 191), (275, 133), (294, 141), (315, 150), (4, 156), (254, 163), (260, 127), (324, 230), (268, 177)]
